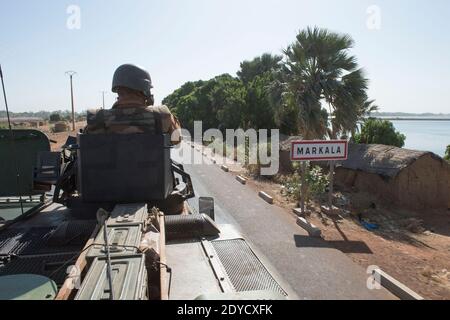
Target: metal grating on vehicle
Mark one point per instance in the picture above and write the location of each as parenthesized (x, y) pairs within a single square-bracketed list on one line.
[(23, 241), (46, 240), (9, 239), (33, 239), (68, 237), (245, 270), (51, 266)]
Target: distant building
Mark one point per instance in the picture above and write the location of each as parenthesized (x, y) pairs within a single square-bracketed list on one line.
[(34, 122), (407, 178)]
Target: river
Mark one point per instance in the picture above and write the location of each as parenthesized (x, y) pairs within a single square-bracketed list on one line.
[(426, 135)]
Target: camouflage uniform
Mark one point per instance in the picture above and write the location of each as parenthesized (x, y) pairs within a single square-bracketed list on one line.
[(132, 119)]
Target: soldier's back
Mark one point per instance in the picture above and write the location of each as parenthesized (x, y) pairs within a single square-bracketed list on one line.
[(123, 120)]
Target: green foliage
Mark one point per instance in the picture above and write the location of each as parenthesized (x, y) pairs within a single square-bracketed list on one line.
[(377, 131), (447, 154), (55, 117), (320, 72), (258, 66), (315, 89), (316, 181), (291, 185), (226, 102), (218, 102), (259, 112)]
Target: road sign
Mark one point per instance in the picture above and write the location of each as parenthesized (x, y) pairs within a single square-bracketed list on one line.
[(319, 150)]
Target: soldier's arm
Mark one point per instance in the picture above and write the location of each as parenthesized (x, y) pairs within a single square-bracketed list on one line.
[(170, 124)]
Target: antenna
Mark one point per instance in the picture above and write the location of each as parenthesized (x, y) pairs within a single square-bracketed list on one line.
[(102, 216), (103, 98)]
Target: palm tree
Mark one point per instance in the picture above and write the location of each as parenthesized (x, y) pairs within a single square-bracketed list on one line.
[(319, 72), (347, 116)]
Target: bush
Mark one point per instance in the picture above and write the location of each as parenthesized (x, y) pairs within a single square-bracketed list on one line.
[(377, 131), (316, 180)]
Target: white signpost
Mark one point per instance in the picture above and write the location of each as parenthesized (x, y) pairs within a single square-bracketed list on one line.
[(319, 150)]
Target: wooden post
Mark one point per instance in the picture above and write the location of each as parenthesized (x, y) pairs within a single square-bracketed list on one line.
[(303, 187), (247, 151), (330, 194)]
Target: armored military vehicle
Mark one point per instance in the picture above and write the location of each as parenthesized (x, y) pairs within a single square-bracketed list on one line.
[(113, 217)]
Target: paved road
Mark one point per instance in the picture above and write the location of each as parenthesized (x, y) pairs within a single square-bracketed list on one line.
[(308, 265)]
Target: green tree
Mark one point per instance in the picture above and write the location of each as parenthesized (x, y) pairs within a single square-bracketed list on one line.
[(173, 99), (377, 131), (228, 102), (258, 111), (218, 103), (55, 117), (258, 67), (257, 75), (320, 74)]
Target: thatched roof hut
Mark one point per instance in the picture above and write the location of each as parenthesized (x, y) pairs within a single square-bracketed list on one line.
[(408, 178)]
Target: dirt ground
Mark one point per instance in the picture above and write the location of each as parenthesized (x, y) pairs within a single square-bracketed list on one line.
[(413, 247), (58, 139)]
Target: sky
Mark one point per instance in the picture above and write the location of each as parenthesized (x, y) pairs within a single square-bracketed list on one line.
[(403, 45)]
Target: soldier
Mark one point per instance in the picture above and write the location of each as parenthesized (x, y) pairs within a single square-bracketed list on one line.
[(133, 111)]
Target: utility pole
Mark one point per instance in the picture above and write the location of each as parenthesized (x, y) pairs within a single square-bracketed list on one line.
[(71, 74)]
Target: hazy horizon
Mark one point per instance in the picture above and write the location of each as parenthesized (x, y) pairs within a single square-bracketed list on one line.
[(399, 44)]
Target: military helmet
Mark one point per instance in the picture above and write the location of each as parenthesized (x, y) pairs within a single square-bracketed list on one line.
[(132, 77)]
